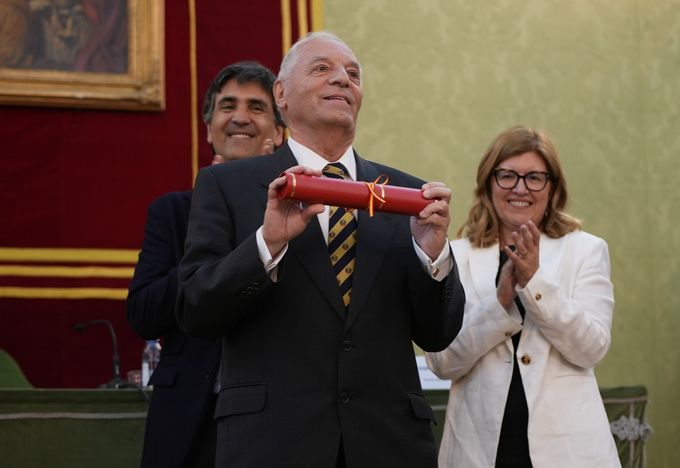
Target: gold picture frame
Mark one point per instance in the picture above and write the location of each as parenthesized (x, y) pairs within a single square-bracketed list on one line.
[(140, 87)]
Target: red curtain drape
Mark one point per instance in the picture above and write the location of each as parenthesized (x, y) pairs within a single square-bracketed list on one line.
[(82, 179)]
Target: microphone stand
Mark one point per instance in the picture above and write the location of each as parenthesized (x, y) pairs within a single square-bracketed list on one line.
[(117, 381)]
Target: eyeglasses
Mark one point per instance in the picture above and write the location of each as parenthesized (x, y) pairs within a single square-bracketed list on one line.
[(534, 181)]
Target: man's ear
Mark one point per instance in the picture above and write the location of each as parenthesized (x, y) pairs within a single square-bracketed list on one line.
[(207, 134), (277, 90)]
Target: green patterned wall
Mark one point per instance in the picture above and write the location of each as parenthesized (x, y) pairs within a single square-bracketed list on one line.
[(602, 77)]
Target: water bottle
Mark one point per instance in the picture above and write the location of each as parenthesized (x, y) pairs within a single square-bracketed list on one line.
[(150, 358)]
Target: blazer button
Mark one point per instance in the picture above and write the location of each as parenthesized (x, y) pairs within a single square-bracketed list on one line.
[(538, 296), (347, 345), (526, 359), (344, 398)]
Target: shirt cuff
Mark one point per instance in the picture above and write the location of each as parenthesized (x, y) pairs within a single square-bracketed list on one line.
[(270, 264), (440, 268)]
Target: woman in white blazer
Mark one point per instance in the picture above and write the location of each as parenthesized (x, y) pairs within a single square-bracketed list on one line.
[(524, 392)]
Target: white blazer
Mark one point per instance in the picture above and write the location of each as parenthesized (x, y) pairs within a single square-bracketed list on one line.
[(569, 304)]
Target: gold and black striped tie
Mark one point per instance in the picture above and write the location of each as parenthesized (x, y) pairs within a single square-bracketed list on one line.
[(342, 237)]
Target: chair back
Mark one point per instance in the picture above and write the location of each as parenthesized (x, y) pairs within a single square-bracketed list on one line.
[(11, 375)]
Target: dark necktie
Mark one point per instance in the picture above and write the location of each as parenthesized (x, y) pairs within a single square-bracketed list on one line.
[(342, 237)]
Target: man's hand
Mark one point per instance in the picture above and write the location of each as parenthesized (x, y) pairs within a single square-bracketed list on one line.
[(429, 228), (267, 146), (286, 219)]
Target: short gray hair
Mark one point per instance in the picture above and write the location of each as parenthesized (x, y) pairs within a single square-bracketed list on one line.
[(288, 62)]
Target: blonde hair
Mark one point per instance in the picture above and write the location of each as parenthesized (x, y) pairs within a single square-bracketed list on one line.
[(482, 225)]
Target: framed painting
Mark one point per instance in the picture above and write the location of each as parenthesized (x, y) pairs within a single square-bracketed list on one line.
[(106, 54)]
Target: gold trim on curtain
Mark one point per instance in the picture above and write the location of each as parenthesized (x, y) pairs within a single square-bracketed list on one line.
[(19, 262), (305, 9), (20, 292), (67, 255), (303, 26), (317, 15), (286, 26), (193, 70)]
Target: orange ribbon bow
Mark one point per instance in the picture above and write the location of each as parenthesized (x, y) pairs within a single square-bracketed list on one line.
[(371, 188)]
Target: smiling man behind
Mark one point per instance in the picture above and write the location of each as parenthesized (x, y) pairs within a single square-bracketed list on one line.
[(242, 120)]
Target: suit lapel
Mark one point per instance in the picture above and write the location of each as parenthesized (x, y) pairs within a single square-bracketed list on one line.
[(309, 248), (374, 236), (550, 254), (483, 268), (281, 160)]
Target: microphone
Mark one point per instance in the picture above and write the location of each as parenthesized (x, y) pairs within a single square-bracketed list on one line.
[(117, 381)]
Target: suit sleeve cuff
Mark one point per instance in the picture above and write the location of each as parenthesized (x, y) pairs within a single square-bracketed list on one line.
[(440, 268), (270, 264)]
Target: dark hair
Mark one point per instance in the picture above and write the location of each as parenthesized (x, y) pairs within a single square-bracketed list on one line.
[(482, 226), (242, 72)]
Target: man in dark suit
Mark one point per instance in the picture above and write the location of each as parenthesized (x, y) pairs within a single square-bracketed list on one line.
[(241, 120), (311, 378)]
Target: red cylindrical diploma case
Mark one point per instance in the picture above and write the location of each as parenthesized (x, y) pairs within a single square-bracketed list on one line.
[(353, 194)]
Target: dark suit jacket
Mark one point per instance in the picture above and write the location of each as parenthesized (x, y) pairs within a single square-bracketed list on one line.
[(298, 374), (184, 379)]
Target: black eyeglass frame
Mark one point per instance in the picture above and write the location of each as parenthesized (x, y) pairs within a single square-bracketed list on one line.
[(548, 178)]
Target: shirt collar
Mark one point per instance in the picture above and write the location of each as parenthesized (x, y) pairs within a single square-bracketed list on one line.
[(308, 158)]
